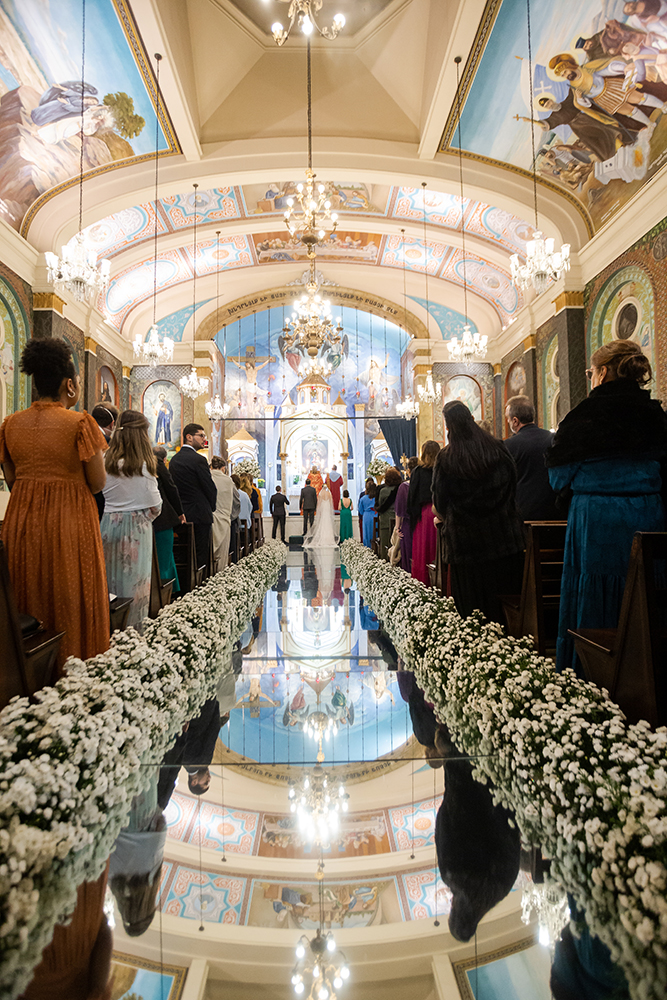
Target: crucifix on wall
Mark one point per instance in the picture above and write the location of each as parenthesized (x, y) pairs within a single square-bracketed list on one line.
[(251, 364)]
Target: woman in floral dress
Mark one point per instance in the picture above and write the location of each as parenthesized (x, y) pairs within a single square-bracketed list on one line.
[(132, 502)]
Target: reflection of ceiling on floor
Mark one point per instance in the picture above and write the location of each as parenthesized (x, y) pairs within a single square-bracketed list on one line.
[(357, 15)]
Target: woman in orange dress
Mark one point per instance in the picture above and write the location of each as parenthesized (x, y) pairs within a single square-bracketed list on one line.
[(53, 463)]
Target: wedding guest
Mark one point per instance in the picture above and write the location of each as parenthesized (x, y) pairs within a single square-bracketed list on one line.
[(193, 750), (534, 496), (245, 515), (53, 463), (334, 481), (105, 416), (164, 524), (474, 494), (277, 506), (308, 505), (363, 494), (367, 513), (385, 507), (222, 516), (419, 511), (196, 489), (132, 503), (346, 530), (234, 521), (402, 518)]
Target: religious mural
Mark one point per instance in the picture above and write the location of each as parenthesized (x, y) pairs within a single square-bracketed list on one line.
[(42, 123), (272, 197), (599, 86), (464, 389), (348, 246), (162, 405), (107, 388), (345, 904), (134, 978)]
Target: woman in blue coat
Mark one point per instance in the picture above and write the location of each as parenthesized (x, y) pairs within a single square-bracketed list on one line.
[(367, 513), (608, 452)]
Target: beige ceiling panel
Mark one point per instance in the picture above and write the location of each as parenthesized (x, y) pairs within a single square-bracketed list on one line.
[(395, 54), (270, 102), (224, 53), (173, 15)]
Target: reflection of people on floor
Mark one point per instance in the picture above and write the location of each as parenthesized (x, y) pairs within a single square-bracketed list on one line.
[(296, 712), (192, 750)]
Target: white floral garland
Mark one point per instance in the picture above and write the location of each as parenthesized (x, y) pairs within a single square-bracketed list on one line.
[(586, 787), (70, 764)]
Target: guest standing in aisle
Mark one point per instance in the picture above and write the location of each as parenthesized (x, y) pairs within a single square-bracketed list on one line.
[(420, 513), (196, 489), (534, 496), (402, 517), (607, 451), (132, 502), (385, 507), (346, 530), (277, 505), (367, 512), (474, 494), (222, 516), (169, 517), (53, 462)]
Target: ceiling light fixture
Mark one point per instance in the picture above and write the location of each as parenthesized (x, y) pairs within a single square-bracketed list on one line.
[(151, 351), (542, 260), (549, 902), (311, 323), (318, 803), (407, 407), (315, 218), (77, 269), (430, 392), (302, 12), (216, 409), (193, 385), (472, 346)]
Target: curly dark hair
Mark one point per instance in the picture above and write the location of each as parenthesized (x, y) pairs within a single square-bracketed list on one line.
[(49, 361)]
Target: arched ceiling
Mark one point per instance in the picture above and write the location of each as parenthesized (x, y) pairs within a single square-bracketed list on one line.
[(233, 120)]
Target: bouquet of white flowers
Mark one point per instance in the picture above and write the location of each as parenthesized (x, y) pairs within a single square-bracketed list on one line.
[(377, 467), (247, 467)]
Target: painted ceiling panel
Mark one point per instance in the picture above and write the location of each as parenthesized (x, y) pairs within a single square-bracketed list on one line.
[(600, 133)]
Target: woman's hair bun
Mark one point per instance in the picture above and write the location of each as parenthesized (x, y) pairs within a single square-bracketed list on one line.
[(636, 367)]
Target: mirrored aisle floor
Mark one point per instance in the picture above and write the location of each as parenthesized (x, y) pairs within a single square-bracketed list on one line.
[(313, 680)]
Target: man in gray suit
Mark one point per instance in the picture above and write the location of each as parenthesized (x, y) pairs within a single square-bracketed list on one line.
[(308, 505)]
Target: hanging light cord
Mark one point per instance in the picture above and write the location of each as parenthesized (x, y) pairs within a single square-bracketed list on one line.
[(194, 276), (310, 110), (425, 250), (83, 91), (457, 60), (532, 127), (405, 305), (158, 59)]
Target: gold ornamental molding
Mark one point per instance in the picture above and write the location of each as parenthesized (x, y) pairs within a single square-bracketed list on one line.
[(91, 345), (48, 300), (530, 343), (497, 369), (569, 300), (127, 372)]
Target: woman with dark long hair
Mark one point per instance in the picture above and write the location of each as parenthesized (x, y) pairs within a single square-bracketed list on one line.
[(53, 461), (424, 535), (607, 453), (385, 507), (132, 502), (474, 493)]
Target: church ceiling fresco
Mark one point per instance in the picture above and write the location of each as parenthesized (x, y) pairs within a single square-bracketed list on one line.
[(599, 84), (41, 125)]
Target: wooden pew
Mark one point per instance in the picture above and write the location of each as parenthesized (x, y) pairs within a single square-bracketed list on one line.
[(119, 610), (28, 662), (160, 589), (631, 660), (185, 556), (535, 610), (437, 571), (257, 529)]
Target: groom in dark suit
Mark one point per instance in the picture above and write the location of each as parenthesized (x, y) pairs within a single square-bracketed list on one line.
[(308, 505), (191, 473)]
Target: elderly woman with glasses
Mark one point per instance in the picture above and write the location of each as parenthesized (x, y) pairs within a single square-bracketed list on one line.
[(607, 456)]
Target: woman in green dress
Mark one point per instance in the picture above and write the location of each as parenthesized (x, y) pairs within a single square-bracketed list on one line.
[(346, 517)]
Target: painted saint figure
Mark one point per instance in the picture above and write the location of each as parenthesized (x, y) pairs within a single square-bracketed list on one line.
[(165, 414)]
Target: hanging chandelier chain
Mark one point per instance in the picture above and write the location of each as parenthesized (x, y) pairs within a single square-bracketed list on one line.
[(83, 91), (532, 128), (310, 107), (158, 59), (457, 60)]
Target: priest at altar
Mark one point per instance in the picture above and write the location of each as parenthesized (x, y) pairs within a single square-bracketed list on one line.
[(335, 483), (316, 479)]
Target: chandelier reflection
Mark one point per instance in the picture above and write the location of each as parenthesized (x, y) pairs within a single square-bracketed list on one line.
[(317, 800), (471, 347), (549, 902), (311, 323), (320, 967), (302, 13)]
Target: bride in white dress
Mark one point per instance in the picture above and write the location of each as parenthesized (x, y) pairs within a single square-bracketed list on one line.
[(321, 534)]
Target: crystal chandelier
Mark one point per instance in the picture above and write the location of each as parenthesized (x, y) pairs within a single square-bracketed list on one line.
[(549, 902), (320, 727), (77, 269), (318, 805), (430, 392), (193, 385), (471, 348), (315, 218), (303, 13), (408, 407), (317, 367), (542, 260), (320, 965), (215, 408), (311, 322)]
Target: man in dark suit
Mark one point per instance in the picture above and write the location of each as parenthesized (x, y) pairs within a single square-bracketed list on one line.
[(196, 488), (308, 505), (534, 497), (279, 512)]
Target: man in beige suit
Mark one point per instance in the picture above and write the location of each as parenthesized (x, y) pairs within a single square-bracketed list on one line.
[(222, 514)]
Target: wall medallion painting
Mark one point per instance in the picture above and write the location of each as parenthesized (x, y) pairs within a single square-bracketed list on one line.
[(162, 403), (518, 972), (466, 390), (599, 89), (106, 389), (134, 978)]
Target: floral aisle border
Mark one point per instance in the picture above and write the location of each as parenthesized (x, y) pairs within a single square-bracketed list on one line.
[(70, 764), (585, 786)]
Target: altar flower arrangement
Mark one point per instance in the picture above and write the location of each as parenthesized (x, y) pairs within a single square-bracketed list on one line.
[(247, 467), (71, 763), (377, 468), (586, 787)]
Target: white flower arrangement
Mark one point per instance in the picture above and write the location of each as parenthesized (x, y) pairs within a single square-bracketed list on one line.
[(377, 467), (247, 467), (585, 786), (71, 763)]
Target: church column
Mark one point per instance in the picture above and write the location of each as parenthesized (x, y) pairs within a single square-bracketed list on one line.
[(359, 447), (269, 450), (530, 368), (498, 409), (89, 387), (125, 396), (344, 457), (571, 349)]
